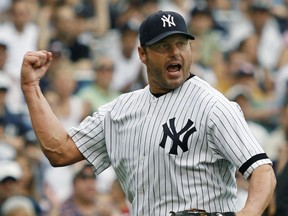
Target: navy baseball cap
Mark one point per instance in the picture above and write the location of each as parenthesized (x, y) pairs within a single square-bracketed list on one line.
[(160, 25)]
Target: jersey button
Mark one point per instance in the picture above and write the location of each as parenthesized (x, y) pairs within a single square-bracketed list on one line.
[(141, 189), (142, 158)]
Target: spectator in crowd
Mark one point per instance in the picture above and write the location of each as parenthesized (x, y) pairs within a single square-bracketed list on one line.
[(93, 15), (232, 61), (83, 200), (70, 108), (228, 21), (267, 29), (65, 36), (260, 109), (10, 173), (281, 78), (15, 127), (204, 72), (28, 184), (92, 19), (263, 76), (201, 26), (128, 70), (20, 35), (99, 91)]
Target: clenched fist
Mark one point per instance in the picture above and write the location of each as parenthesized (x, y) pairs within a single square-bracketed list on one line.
[(34, 67)]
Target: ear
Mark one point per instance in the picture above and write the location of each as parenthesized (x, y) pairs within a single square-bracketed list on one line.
[(142, 55)]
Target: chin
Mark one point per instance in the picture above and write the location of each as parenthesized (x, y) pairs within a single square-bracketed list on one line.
[(175, 84)]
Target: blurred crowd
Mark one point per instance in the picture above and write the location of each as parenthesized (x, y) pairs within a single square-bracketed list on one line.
[(241, 49)]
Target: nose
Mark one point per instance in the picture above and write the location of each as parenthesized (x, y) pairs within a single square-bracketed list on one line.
[(174, 50)]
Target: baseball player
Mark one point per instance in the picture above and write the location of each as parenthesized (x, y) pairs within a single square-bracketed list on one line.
[(175, 145)]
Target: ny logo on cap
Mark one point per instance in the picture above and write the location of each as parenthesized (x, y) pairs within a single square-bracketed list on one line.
[(169, 20)]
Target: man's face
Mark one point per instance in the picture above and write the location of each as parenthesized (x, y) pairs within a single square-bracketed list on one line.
[(85, 186), (8, 187), (20, 12), (168, 63)]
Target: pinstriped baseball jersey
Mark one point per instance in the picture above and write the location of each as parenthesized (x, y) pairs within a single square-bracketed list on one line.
[(174, 152)]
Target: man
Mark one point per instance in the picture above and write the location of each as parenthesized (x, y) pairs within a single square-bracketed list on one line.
[(99, 92), (15, 128), (128, 70), (83, 199), (10, 173), (175, 145), (19, 34)]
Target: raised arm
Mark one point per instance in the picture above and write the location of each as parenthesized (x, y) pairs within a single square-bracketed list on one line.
[(261, 188), (54, 140)]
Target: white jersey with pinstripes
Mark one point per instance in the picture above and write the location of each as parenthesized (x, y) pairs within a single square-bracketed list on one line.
[(174, 152)]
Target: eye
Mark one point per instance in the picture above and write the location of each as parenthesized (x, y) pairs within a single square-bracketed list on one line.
[(182, 44), (163, 46)]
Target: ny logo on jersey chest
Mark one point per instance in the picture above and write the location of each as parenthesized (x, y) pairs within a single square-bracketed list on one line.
[(170, 131)]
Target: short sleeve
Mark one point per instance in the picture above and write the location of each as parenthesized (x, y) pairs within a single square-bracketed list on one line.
[(90, 140), (231, 137)]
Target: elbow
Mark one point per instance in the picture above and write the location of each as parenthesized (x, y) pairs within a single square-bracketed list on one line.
[(54, 162), (55, 157), (55, 151), (61, 158)]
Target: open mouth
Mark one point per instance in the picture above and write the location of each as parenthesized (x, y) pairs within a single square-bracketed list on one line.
[(173, 67)]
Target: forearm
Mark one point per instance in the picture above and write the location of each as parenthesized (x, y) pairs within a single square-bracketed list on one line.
[(261, 188), (52, 136)]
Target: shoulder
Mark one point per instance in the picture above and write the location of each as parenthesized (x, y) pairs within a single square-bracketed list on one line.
[(210, 98), (204, 89), (124, 100)]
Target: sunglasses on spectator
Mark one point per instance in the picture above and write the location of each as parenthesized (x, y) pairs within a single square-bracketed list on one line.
[(87, 176), (105, 68)]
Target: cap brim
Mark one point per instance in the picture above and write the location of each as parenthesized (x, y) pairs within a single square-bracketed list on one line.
[(4, 178), (166, 34)]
